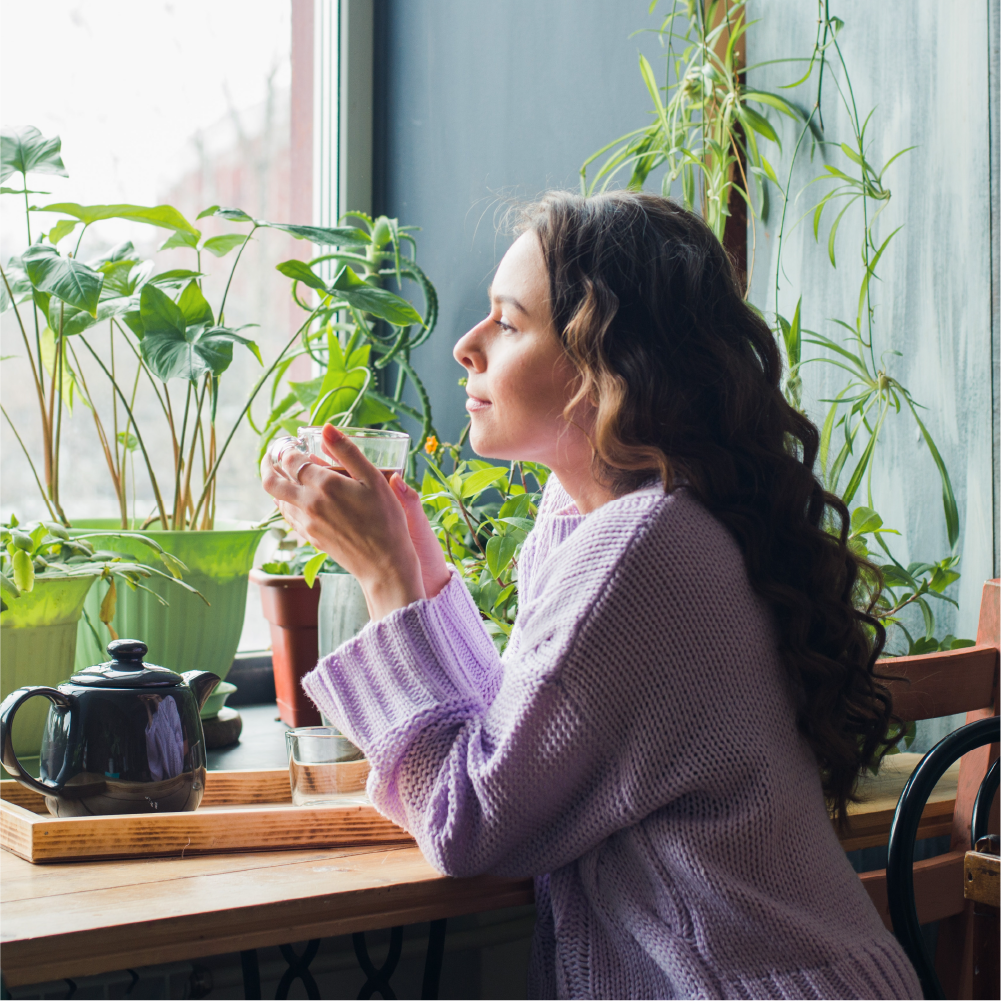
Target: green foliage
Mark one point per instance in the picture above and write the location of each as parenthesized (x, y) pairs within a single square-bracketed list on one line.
[(706, 133), (482, 514), (359, 330), (304, 560), (175, 335), (43, 549), (704, 127), (26, 151)]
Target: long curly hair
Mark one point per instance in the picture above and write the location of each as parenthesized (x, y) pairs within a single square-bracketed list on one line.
[(684, 377)]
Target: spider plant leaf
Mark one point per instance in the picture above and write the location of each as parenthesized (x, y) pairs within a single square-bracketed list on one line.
[(949, 506), (773, 100)]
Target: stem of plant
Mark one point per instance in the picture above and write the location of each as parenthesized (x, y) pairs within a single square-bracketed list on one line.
[(142, 445), (41, 489), (232, 271), (210, 477), (178, 508)]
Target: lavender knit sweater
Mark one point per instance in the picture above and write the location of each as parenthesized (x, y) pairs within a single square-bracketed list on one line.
[(635, 750)]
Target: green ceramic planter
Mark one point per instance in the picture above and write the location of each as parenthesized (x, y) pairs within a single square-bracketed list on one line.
[(38, 640), (186, 635)]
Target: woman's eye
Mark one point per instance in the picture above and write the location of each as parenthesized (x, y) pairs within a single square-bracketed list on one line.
[(504, 325)]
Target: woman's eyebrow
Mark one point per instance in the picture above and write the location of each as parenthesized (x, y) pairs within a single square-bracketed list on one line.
[(508, 299)]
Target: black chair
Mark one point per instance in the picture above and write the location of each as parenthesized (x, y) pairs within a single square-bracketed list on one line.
[(904, 829)]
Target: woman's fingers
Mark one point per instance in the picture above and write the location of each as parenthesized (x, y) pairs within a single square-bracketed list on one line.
[(345, 453), (434, 569)]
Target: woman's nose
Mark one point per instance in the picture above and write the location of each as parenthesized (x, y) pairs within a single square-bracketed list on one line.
[(468, 350)]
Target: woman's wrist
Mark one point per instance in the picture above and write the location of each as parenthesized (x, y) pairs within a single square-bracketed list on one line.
[(385, 593)]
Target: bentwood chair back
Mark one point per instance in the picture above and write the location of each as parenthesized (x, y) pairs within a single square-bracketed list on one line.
[(900, 861), (929, 686)]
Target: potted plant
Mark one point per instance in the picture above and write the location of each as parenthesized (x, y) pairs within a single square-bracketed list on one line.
[(290, 604), (45, 577), (174, 340), (353, 351)]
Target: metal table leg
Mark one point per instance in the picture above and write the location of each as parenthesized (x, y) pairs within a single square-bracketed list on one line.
[(378, 980), (251, 974), (298, 969), (435, 957)]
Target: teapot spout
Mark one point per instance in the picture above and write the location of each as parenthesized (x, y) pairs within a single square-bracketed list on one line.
[(201, 683)]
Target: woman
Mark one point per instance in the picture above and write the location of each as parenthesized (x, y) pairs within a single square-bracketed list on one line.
[(689, 677)]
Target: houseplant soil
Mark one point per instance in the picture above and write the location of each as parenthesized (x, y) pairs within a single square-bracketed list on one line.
[(291, 608)]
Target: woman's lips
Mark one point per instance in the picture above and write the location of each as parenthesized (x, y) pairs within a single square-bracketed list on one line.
[(474, 404)]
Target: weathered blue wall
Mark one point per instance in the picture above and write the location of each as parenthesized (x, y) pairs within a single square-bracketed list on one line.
[(924, 68), (481, 102)]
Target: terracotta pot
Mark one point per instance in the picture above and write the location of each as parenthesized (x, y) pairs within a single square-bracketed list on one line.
[(291, 610)]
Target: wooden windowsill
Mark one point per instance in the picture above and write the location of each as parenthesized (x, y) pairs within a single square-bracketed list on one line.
[(869, 820)]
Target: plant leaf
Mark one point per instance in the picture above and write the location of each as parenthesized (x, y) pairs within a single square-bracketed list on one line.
[(64, 277), (338, 236), (23, 570), (312, 568), (500, 550), (28, 151), (164, 216), (61, 229), (222, 245), (181, 238), (481, 479), (300, 271), (194, 306), (233, 215), (377, 301)]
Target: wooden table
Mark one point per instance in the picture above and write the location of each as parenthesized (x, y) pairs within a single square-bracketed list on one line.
[(79, 919), (76, 919)]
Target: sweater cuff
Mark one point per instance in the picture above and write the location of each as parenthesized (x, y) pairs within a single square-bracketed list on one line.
[(432, 653)]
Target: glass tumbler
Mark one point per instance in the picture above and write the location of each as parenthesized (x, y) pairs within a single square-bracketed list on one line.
[(323, 765), (386, 450)]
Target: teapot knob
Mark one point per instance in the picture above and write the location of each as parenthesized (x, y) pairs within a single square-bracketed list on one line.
[(127, 651)]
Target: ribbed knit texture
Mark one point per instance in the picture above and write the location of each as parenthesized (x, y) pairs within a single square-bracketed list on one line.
[(635, 750)]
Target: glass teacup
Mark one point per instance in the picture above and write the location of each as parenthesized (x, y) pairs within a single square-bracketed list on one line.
[(386, 450), (323, 765)]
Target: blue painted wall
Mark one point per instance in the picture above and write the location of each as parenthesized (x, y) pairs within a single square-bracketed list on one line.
[(478, 103)]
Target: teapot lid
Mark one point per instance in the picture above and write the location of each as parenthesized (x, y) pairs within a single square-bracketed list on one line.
[(127, 670)]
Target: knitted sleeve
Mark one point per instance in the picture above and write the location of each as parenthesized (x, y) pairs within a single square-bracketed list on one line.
[(521, 766)]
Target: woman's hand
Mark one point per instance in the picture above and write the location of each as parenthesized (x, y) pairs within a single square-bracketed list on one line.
[(358, 520), (434, 569)]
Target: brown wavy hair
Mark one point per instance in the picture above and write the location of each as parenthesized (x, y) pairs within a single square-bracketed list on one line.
[(685, 379)]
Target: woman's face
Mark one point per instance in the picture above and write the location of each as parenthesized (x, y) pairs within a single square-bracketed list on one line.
[(519, 378)]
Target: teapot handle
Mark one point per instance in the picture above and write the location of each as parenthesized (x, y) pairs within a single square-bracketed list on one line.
[(10, 706)]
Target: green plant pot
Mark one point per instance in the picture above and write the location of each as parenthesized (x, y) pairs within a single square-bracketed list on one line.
[(38, 640), (186, 634)]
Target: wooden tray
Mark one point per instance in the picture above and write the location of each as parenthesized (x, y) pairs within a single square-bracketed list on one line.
[(241, 811)]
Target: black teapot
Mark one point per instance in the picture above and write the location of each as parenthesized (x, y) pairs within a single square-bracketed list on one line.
[(121, 737)]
